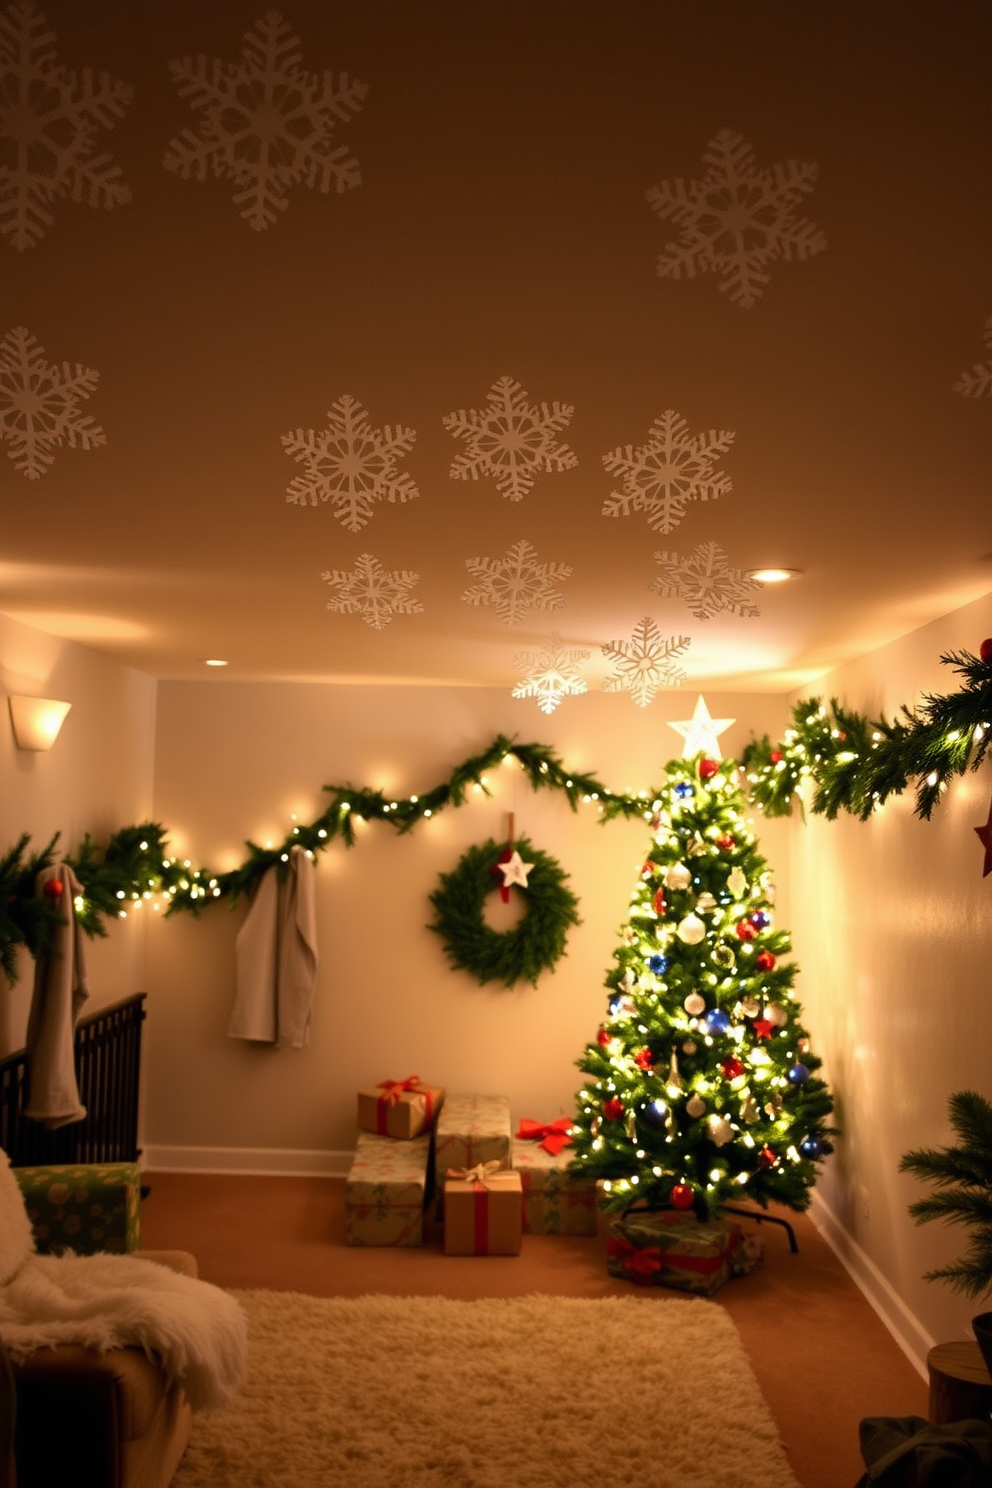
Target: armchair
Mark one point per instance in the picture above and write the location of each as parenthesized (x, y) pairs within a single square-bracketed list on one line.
[(109, 1419)]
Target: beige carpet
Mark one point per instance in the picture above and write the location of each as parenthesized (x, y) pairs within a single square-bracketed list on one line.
[(521, 1392)]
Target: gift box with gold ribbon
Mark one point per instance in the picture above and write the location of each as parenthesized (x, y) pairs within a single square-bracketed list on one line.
[(470, 1129), (664, 1248), (556, 1201), (399, 1108), (482, 1211), (386, 1189)]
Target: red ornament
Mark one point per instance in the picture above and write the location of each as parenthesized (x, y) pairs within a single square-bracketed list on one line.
[(707, 769), (726, 842), (659, 902), (767, 1158), (603, 1038), (504, 888), (644, 1059), (764, 961), (648, 870), (985, 650), (681, 1196), (745, 930), (732, 1067), (763, 1029), (984, 835), (52, 888), (613, 1109), (775, 756)]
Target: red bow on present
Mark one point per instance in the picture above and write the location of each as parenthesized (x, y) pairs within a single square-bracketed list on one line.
[(394, 1088), (642, 1264), (552, 1137)]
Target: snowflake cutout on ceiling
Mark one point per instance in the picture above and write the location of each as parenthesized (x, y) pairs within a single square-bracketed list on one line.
[(550, 673), (645, 663), (350, 464), (517, 583), (49, 119), (512, 440), (736, 219), (268, 125), (707, 583), (977, 383), (371, 591), (39, 401), (673, 468)]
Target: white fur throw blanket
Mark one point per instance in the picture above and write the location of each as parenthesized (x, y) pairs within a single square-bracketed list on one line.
[(198, 1331)]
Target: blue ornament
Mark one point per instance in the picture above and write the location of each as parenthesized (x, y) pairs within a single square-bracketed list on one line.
[(615, 1004), (654, 1113), (798, 1074), (811, 1147), (658, 963), (684, 790), (760, 918), (717, 1021)]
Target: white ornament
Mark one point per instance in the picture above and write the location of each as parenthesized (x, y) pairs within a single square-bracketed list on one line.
[(551, 673), (720, 1131), (678, 877), (673, 468), (694, 1004), (372, 592), (737, 882), (707, 583), (516, 583), (695, 1105), (701, 732), (705, 903), (645, 663), (512, 440), (350, 464), (776, 1014), (750, 1007), (691, 930), (267, 124), (515, 870), (737, 219)]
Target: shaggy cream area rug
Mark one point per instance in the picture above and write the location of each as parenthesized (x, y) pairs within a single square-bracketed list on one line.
[(523, 1392)]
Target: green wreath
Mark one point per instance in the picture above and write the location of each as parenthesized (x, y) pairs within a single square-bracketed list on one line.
[(534, 944)]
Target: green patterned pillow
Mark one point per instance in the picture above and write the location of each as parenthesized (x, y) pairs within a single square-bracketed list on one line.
[(83, 1207)]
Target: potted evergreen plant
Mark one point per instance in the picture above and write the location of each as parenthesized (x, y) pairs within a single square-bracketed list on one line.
[(962, 1178)]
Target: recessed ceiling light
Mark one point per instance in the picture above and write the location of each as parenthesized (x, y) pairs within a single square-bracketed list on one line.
[(773, 575), (213, 661)]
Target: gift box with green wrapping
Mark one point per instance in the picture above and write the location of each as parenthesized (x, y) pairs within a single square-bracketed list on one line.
[(556, 1201), (470, 1129), (386, 1190), (665, 1248), (85, 1207)]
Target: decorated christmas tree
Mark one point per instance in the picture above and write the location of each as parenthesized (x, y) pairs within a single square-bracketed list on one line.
[(701, 1087)]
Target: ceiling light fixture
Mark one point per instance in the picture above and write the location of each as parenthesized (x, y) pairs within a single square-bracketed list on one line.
[(773, 575), (214, 661), (37, 721)]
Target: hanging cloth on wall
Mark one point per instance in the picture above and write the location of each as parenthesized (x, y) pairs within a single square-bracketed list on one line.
[(276, 952), (60, 989)]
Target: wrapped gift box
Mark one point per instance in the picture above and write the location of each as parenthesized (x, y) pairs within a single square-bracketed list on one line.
[(83, 1207), (555, 1201), (470, 1129), (482, 1213), (399, 1108), (664, 1248), (386, 1189)]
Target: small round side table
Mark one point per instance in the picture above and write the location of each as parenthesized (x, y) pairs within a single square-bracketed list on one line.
[(960, 1386)]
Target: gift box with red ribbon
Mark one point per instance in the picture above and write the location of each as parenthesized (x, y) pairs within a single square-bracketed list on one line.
[(556, 1200), (471, 1129), (385, 1191), (665, 1248), (399, 1108), (482, 1211)]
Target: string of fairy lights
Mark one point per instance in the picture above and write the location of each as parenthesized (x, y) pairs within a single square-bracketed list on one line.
[(854, 763)]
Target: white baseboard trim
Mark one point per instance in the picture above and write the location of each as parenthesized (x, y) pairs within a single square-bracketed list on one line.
[(905, 1328), (288, 1162)]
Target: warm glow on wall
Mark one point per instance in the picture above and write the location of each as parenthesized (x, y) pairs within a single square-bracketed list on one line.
[(37, 721)]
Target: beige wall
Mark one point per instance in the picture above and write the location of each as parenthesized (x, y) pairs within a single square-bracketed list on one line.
[(96, 778), (235, 761), (893, 921)]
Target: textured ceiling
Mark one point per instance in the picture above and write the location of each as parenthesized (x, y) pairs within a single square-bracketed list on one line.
[(458, 342)]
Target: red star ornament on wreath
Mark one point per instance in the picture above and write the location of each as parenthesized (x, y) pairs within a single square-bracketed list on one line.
[(984, 835)]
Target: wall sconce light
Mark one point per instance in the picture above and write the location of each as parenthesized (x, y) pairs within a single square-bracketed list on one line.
[(37, 721)]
